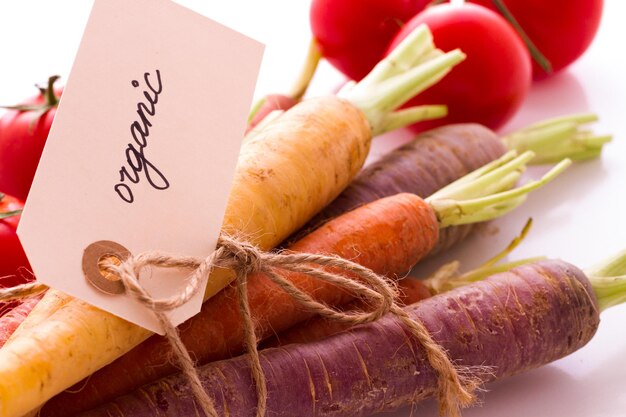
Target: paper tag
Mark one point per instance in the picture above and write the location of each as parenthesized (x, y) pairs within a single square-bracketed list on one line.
[(143, 148)]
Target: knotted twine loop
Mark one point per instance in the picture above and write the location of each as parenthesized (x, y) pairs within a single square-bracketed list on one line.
[(454, 391)]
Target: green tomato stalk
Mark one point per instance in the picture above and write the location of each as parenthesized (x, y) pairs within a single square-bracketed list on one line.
[(51, 100)]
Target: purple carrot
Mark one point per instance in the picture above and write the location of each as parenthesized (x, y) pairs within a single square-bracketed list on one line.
[(428, 163), (511, 322), (440, 156)]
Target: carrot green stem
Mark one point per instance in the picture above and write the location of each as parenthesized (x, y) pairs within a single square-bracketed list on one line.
[(402, 58), (511, 246), (448, 277), (308, 70), (495, 175), (608, 279), (414, 65), (558, 138), (400, 118), (449, 281), (488, 195)]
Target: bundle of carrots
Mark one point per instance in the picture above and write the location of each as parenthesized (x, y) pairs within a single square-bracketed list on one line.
[(509, 323), (286, 173), (298, 164), (368, 235)]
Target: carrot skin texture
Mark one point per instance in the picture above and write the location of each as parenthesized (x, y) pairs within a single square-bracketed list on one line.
[(428, 163), (11, 320), (387, 236), (512, 322), (317, 328)]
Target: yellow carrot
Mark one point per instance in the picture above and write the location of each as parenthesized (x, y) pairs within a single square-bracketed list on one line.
[(286, 173)]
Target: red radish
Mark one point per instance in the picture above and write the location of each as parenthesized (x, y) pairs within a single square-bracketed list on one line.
[(489, 87), (509, 323), (353, 34), (14, 265), (561, 30), (282, 102)]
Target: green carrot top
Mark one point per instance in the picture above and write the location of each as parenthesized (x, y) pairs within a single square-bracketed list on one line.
[(607, 278), (487, 192), (557, 138)]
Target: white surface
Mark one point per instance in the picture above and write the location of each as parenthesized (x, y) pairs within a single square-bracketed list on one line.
[(579, 218)]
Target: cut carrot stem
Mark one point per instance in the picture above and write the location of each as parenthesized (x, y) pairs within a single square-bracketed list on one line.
[(470, 203), (609, 280), (398, 118), (558, 138)]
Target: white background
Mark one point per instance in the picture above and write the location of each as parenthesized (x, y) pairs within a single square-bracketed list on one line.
[(579, 217)]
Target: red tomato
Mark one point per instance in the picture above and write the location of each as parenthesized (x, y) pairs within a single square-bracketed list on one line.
[(12, 256), (23, 134), (491, 84), (561, 29), (353, 34)]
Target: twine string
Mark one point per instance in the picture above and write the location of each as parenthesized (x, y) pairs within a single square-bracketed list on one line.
[(454, 391)]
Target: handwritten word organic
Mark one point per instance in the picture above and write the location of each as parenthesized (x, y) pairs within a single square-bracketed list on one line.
[(137, 164)]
